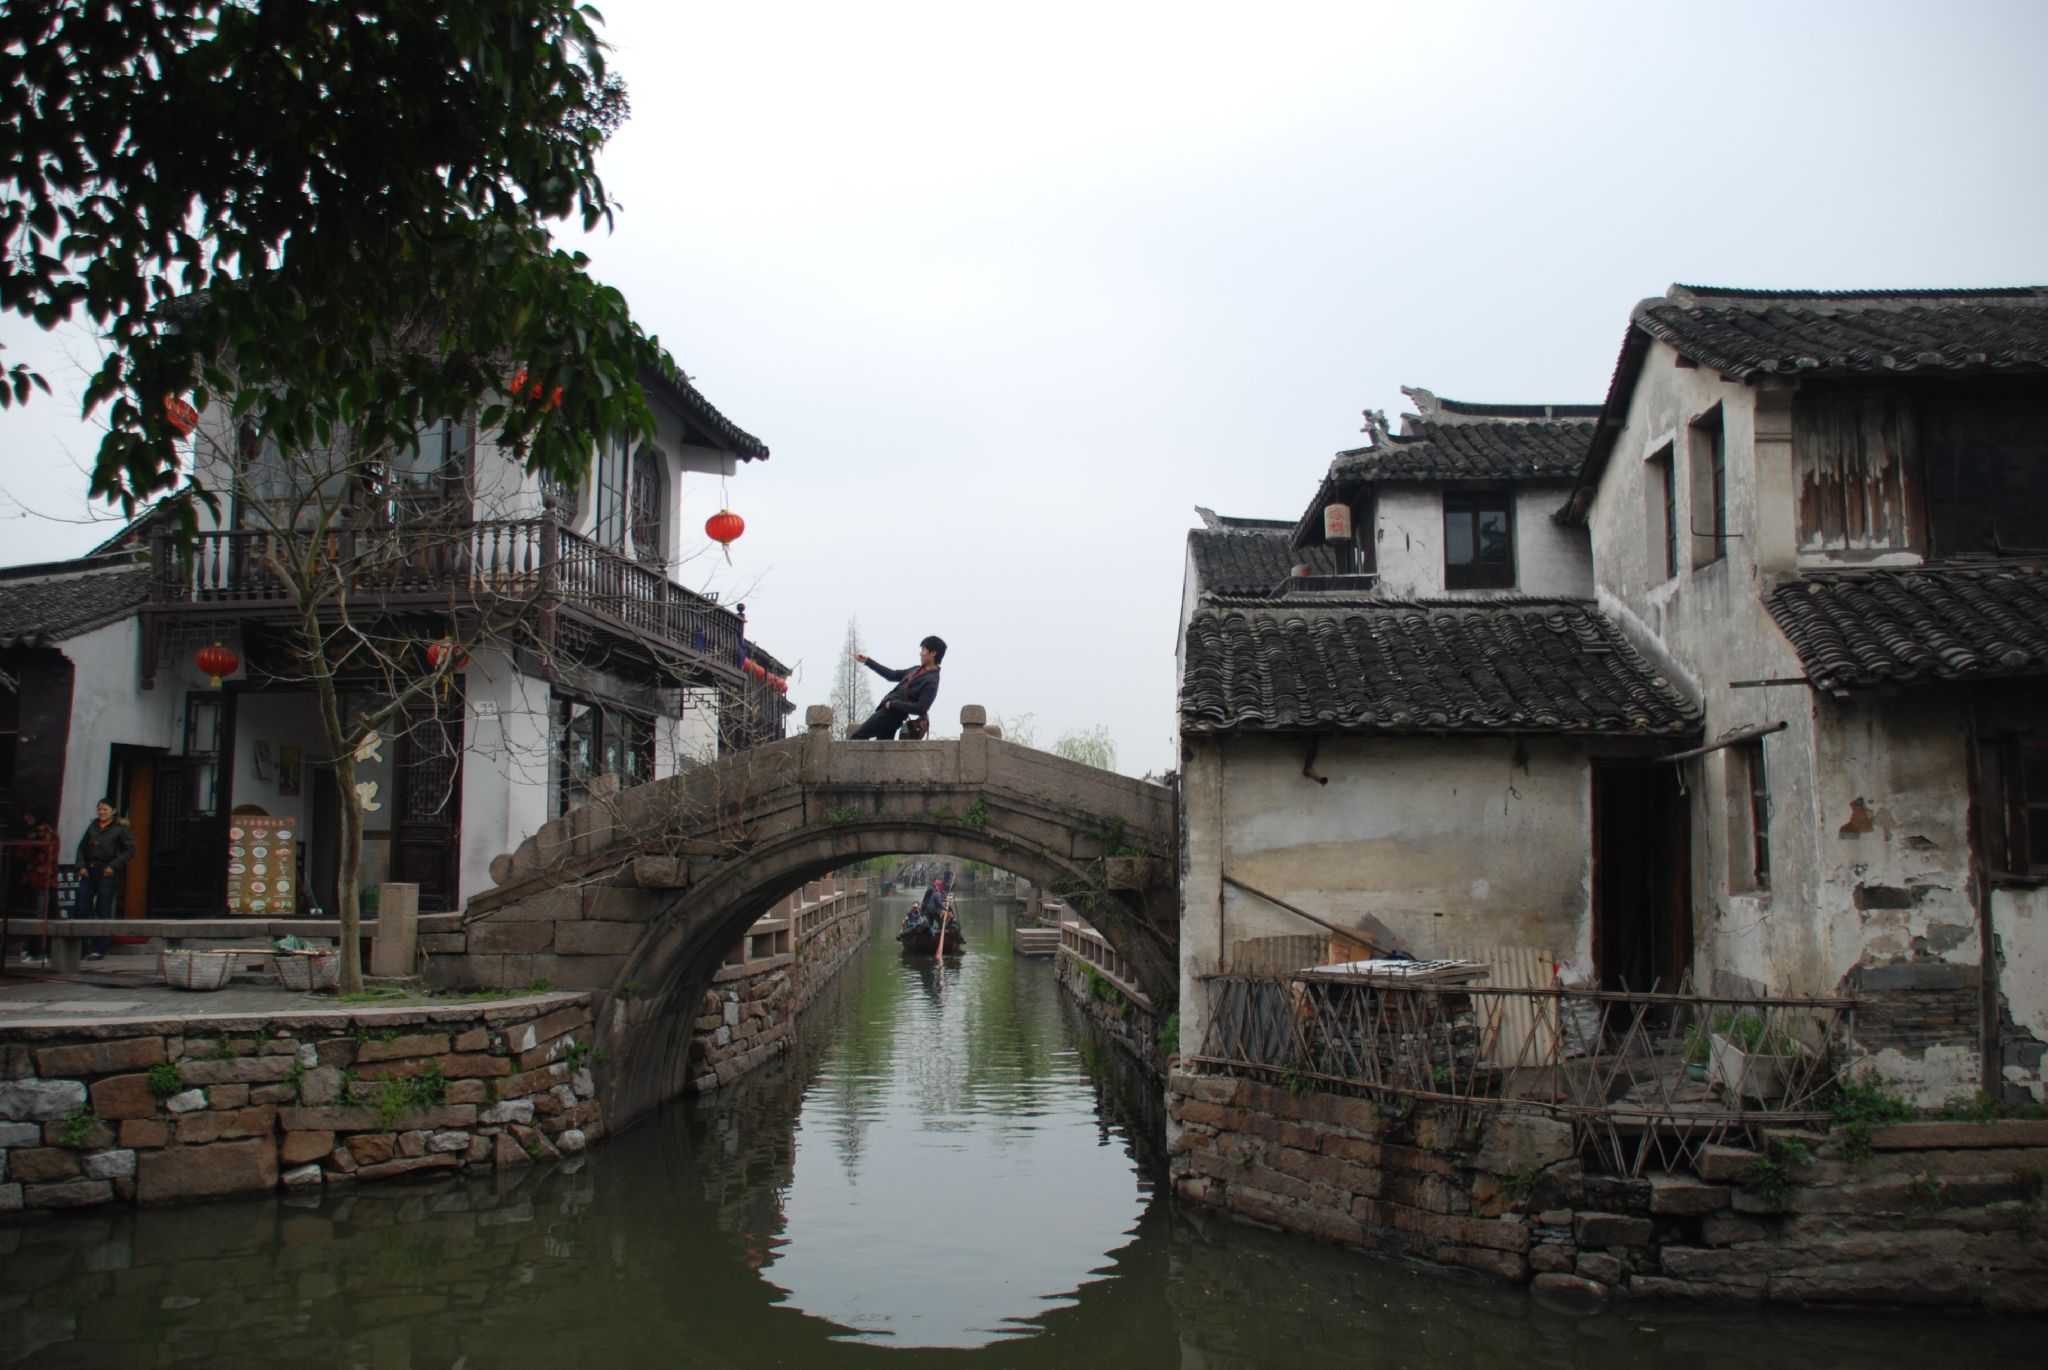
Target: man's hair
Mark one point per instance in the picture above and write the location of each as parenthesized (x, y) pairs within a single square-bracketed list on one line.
[(936, 645)]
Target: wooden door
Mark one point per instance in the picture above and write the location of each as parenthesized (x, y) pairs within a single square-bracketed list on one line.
[(426, 821)]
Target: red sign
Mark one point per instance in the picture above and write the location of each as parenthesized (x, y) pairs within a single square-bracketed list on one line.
[(183, 416)]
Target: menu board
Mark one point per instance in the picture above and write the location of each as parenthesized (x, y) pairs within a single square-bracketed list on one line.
[(263, 877)]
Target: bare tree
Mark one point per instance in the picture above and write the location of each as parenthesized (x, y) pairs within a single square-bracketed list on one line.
[(1091, 747), (852, 699)]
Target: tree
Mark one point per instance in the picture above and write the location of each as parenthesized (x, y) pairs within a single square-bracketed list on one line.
[(1021, 729), (329, 218), (852, 700), (1093, 747)]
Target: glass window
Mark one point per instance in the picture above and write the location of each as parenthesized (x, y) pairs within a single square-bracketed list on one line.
[(1479, 541), (612, 464), (648, 493)]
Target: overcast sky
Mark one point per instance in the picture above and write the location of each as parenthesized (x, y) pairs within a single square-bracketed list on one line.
[(1010, 290)]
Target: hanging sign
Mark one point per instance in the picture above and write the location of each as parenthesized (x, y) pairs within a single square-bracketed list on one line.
[(263, 875), (1336, 523)]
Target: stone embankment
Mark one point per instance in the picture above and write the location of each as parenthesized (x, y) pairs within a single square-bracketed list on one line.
[(160, 1111), (1945, 1215), (774, 973), (1103, 984)]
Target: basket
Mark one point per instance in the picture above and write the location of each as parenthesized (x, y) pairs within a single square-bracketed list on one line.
[(308, 970), (201, 970)]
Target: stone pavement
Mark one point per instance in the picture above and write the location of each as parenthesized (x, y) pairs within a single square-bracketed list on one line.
[(127, 986)]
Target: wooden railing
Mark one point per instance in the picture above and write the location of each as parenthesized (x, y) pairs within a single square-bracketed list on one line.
[(507, 559)]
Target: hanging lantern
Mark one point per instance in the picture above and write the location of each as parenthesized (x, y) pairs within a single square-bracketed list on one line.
[(438, 652), (217, 661), (181, 415), (724, 528)]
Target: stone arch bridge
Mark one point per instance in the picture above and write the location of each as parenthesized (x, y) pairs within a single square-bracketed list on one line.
[(640, 893)]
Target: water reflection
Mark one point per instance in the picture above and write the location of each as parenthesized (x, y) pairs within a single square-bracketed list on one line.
[(937, 1160)]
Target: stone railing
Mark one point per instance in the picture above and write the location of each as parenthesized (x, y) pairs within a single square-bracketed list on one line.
[(1082, 943)]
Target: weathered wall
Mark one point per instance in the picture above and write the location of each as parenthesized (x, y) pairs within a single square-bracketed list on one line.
[(1551, 560), (300, 1101), (108, 707), (1125, 1017), (1870, 843), (1941, 1215), (1449, 841)]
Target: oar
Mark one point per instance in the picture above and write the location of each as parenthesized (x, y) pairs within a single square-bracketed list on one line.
[(941, 952)]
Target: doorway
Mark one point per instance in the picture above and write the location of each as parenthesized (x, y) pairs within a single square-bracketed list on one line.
[(1642, 891), (131, 784)]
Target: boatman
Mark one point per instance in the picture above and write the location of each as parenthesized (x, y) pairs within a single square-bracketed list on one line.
[(913, 696)]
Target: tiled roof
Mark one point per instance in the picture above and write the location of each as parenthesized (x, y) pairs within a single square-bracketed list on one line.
[(50, 603), (1322, 664), (1744, 333), (1473, 449), (1248, 561), (1880, 627), (723, 430)]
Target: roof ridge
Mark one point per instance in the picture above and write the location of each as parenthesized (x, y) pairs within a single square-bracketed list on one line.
[(1680, 292)]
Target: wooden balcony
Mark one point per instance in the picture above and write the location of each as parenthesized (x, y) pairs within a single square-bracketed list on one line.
[(531, 568)]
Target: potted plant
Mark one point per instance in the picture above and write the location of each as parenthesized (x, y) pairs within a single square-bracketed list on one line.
[(1752, 1055)]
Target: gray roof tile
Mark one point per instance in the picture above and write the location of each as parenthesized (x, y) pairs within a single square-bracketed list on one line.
[(51, 603), (1858, 629), (1358, 664)]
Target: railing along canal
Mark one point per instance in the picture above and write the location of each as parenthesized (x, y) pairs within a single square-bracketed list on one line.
[(1083, 943), (1640, 1077)]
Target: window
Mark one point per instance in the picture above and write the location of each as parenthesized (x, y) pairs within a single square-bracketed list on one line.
[(612, 472), (427, 477), (1660, 513), (593, 741), (2030, 806), (1479, 541), (203, 719), (648, 494), (1749, 818), (1709, 481), (2013, 779), (565, 496)]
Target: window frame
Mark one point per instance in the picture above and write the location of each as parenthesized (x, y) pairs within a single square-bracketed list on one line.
[(1707, 473), (2025, 857), (646, 515), (1660, 504), (1478, 574)]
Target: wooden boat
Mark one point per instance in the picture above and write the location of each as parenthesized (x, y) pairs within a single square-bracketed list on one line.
[(918, 941)]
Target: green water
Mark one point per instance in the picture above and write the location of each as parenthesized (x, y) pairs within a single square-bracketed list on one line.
[(948, 1169)]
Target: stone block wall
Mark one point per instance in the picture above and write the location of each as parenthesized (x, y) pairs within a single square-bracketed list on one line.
[(1939, 1215), (1126, 1016), (162, 1111), (751, 1007)]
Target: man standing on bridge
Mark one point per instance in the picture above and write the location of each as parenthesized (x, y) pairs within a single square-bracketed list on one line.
[(911, 699)]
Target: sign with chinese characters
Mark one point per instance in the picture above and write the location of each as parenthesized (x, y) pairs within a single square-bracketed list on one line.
[(263, 875), (1336, 522)]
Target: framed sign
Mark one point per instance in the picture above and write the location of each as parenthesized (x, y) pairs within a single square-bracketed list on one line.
[(263, 876)]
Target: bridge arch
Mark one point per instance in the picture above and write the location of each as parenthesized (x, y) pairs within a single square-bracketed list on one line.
[(640, 894)]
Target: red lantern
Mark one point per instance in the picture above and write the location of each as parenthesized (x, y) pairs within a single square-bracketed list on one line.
[(724, 528), (217, 661), (438, 652), (182, 416)]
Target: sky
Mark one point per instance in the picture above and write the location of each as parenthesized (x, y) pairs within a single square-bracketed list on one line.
[(1009, 290)]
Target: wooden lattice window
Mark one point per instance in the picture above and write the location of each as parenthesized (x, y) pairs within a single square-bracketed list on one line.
[(648, 495)]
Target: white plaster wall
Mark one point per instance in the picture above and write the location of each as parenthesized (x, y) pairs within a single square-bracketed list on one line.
[(1448, 841), (108, 706), (282, 720), (1551, 560), (506, 766), (2019, 918)]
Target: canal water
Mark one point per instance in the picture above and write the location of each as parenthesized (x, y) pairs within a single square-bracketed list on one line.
[(948, 1169)]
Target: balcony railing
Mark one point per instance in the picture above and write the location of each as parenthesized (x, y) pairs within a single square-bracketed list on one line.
[(1642, 1078), (514, 560)]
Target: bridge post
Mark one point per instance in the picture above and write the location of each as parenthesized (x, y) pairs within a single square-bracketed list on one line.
[(817, 743), (973, 745)]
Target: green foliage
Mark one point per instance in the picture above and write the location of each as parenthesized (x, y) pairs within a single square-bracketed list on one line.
[(944, 816), (850, 814), (575, 1054), (78, 1127), (1757, 1034), (1861, 1102), (1091, 747), (1520, 1184), (1169, 1033), (372, 995), (428, 1089), (165, 1079), (629, 990), (1297, 1077), (1982, 1108), (1926, 1194), (1771, 1173), (223, 1050), (539, 985), (360, 196), (976, 816)]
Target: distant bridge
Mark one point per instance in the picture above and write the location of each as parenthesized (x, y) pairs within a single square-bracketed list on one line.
[(640, 893)]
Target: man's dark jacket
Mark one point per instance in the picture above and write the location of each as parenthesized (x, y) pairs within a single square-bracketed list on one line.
[(915, 690), (101, 847)]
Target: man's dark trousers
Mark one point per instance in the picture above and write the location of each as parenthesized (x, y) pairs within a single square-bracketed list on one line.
[(96, 900)]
